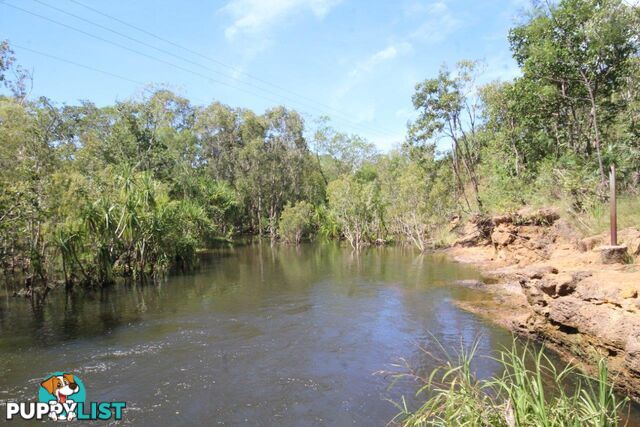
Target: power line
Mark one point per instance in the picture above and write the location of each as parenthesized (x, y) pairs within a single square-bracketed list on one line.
[(148, 45), (77, 64), (98, 70), (135, 51), (94, 69), (206, 57), (87, 67)]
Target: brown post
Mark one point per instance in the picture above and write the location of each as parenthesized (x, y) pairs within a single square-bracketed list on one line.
[(614, 213)]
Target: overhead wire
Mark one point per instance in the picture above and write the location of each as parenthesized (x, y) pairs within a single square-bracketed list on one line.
[(206, 57), (180, 67)]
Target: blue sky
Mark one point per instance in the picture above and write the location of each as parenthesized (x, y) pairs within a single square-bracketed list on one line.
[(356, 61)]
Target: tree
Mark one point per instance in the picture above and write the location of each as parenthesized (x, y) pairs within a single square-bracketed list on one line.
[(20, 82), (276, 169), (356, 205), (449, 107), (579, 51), (338, 153), (296, 222)]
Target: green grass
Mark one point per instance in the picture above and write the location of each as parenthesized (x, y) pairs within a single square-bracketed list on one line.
[(531, 391), (596, 219)]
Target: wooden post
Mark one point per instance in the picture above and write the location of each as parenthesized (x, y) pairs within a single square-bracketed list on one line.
[(612, 200)]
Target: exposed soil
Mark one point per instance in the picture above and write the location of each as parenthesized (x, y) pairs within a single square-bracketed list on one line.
[(543, 281)]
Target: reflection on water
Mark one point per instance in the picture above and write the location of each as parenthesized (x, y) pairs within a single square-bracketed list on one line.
[(258, 336)]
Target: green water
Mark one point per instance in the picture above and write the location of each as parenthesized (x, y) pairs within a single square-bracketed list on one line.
[(257, 336)]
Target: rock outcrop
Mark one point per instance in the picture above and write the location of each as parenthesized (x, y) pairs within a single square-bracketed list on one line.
[(476, 232), (552, 286), (590, 315)]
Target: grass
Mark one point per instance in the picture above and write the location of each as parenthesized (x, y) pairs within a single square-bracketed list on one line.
[(530, 391), (596, 220)]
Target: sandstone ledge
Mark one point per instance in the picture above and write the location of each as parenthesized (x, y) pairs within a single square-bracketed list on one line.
[(545, 283)]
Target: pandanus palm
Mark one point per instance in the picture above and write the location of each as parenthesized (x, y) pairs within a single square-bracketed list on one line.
[(100, 219), (69, 242)]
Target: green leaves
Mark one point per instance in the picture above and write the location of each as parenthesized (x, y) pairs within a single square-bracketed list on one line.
[(356, 205), (531, 391), (296, 222)]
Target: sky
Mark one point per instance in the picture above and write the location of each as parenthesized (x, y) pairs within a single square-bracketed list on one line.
[(356, 61)]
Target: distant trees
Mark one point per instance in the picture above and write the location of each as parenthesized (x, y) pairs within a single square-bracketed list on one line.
[(89, 194)]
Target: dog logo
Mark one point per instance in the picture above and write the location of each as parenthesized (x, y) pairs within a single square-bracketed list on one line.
[(62, 397), (62, 387), (64, 391)]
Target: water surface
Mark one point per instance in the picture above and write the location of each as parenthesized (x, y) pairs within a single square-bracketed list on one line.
[(258, 336)]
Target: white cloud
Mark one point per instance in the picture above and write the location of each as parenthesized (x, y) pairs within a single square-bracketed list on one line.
[(256, 16), (367, 65), (383, 55), (437, 21)]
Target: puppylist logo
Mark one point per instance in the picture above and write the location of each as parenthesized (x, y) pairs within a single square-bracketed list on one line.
[(62, 397)]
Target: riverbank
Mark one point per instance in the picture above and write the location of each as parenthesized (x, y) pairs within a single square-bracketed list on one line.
[(545, 281)]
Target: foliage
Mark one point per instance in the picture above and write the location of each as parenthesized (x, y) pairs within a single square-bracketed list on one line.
[(296, 222), (356, 205), (91, 193), (449, 108), (530, 391)]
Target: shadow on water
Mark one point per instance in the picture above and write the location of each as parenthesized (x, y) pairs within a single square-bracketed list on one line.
[(276, 335)]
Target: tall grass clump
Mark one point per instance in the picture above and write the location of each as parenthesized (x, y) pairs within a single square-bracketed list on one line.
[(530, 391)]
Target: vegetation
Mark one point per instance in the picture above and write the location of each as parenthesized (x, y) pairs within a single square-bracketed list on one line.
[(89, 194), (530, 391), (296, 222)]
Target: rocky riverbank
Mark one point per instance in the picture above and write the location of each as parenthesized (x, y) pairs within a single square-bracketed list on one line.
[(544, 281)]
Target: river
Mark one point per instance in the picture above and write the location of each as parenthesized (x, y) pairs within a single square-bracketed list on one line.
[(278, 336)]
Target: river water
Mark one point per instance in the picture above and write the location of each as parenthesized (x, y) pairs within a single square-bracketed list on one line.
[(257, 336)]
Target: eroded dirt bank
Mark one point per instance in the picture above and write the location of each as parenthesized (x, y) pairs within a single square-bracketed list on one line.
[(545, 282)]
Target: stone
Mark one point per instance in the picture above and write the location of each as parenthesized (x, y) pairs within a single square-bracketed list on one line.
[(628, 292), (454, 223), (503, 235), (539, 272), (476, 232), (549, 287), (613, 254), (473, 284), (566, 284), (542, 216), (588, 243), (501, 219)]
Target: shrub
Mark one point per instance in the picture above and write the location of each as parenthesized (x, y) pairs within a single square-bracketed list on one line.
[(296, 222), (531, 391)]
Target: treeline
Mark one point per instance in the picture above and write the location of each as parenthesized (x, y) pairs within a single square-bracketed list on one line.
[(88, 194)]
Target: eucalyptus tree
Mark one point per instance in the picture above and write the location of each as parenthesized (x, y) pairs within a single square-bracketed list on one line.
[(449, 108), (276, 168), (339, 153), (221, 132), (356, 205), (577, 53), (17, 79), (28, 157)]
